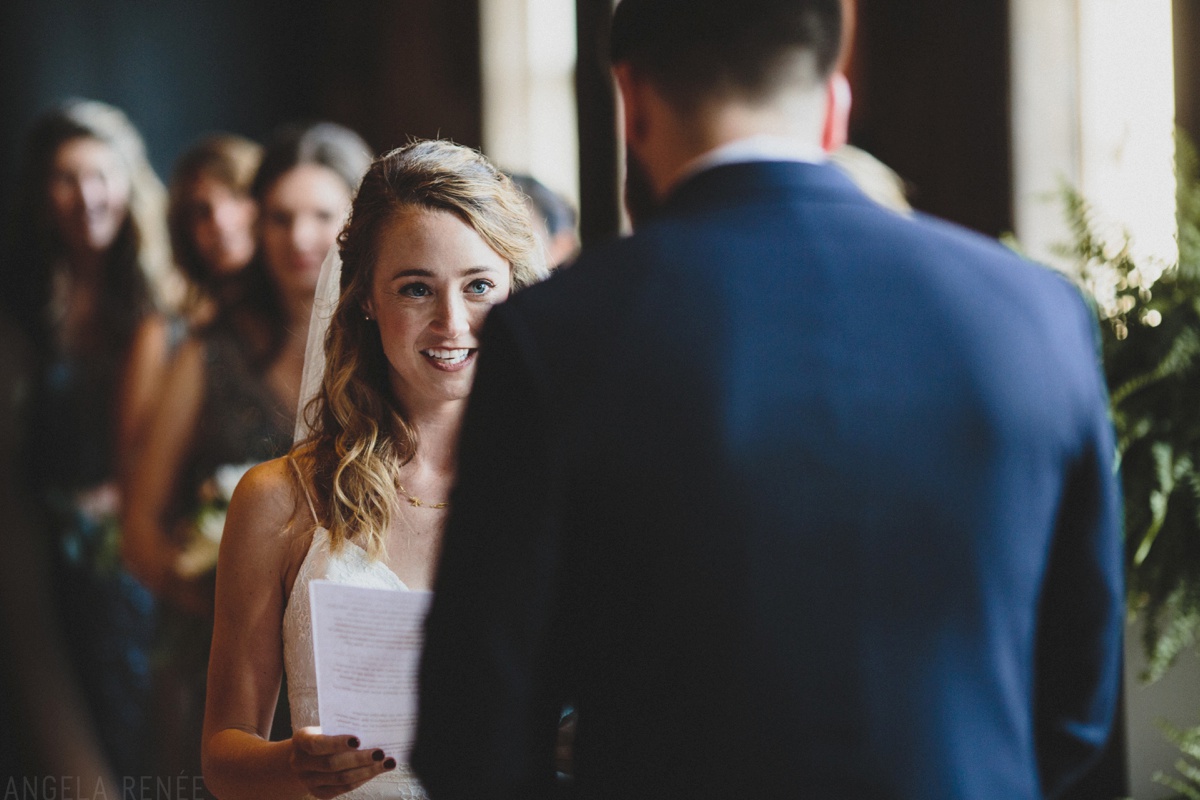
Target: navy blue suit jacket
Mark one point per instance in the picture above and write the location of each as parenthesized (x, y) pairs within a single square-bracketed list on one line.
[(791, 496)]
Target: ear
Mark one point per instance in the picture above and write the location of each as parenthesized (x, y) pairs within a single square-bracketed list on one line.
[(836, 130), (633, 102), (368, 309)]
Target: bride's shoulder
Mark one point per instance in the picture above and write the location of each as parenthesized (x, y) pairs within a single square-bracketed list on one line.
[(265, 503), (269, 486), (267, 528)]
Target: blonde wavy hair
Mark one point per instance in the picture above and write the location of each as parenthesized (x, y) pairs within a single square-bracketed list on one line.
[(147, 196), (360, 436), (138, 274)]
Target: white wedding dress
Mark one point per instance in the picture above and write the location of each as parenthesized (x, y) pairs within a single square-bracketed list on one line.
[(351, 565)]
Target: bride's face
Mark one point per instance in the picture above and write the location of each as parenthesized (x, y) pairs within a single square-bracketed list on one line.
[(434, 282)]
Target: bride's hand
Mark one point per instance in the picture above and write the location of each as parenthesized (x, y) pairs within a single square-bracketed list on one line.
[(332, 765)]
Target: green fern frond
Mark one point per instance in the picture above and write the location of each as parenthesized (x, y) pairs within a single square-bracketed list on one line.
[(1187, 782), (1151, 349), (1178, 360), (1170, 631)]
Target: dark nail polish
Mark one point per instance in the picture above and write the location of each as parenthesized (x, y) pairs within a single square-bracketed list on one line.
[(377, 755), (353, 741), (389, 764)]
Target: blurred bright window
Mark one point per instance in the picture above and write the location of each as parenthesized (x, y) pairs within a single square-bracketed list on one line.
[(1093, 105), (529, 117)]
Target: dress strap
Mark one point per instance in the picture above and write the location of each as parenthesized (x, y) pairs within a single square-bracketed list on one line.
[(304, 488)]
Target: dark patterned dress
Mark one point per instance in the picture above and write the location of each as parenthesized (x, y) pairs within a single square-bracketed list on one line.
[(107, 617), (241, 422)]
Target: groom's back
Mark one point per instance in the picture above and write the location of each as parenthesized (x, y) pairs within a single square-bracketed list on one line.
[(812, 456), (790, 495)]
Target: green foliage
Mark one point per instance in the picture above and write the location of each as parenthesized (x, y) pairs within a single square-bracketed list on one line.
[(1150, 327), (1187, 782)]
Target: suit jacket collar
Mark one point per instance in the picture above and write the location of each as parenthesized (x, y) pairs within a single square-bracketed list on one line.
[(740, 183)]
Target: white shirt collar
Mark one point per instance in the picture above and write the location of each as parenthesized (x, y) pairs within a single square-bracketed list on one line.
[(762, 147)]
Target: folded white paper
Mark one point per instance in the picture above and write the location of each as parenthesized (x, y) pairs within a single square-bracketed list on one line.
[(367, 647)]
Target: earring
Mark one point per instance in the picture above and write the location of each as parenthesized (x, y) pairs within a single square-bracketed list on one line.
[(367, 317)]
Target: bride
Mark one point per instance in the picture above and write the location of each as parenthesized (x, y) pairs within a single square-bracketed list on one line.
[(436, 236)]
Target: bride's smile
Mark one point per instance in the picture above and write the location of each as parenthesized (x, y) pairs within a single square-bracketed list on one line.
[(450, 359)]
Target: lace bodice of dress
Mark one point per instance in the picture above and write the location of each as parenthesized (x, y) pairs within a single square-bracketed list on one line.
[(350, 565)]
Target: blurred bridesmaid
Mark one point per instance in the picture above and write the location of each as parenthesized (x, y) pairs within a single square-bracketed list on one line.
[(46, 730), (211, 217), (229, 402), (89, 263)]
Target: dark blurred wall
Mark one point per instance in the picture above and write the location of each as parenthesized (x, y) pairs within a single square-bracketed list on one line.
[(1187, 66), (931, 86), (180, 68), (403, 68), (931, 100), (599, 161)]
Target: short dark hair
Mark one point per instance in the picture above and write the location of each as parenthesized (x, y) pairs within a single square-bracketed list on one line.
[(694, 49)]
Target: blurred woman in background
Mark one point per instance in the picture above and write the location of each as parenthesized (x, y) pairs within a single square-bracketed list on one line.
[(555, 219), (89, 261), (211, 216), (228, 402)]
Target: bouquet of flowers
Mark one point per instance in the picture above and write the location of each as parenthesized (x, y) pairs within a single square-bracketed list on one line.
[(203, 537)]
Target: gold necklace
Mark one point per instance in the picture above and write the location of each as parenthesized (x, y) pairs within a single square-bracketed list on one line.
[(417, 502)]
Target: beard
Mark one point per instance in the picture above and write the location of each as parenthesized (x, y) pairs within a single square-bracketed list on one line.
[(640, 201)]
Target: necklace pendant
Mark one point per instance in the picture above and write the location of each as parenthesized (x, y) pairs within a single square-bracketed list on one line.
[(415, 502)]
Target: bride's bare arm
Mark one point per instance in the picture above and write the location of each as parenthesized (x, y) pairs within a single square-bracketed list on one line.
[(257, 562)]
